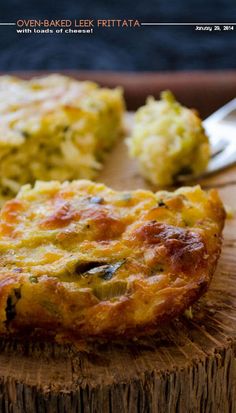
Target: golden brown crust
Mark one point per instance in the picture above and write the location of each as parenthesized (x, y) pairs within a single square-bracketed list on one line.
[(81, 260)]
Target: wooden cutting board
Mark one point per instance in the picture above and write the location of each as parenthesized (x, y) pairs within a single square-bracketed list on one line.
[(188, 367)]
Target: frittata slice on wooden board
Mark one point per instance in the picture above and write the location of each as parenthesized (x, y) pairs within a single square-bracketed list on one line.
[(81, 260)]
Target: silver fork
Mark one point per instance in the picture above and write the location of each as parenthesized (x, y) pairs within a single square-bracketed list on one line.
[(221, 129)]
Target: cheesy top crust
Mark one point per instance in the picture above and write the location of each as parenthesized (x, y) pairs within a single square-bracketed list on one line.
[(80, 259)]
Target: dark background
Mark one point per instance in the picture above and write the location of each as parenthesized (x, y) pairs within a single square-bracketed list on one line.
[(140, 49)]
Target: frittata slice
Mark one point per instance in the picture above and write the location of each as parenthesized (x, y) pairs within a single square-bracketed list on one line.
[(54, 127), (81, 260)]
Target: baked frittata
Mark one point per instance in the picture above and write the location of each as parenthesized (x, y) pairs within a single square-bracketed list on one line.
[(80, 260), (54, 127)]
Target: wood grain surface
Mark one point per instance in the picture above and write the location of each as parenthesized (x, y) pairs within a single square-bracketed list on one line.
[(188, 367)]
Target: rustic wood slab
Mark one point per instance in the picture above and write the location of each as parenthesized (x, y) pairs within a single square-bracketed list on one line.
[(188, 367)]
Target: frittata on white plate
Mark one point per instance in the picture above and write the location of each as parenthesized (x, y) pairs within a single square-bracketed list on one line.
[(54, 127), (168, 140)]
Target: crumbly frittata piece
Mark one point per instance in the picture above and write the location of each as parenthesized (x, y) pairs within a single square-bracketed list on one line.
[(168, 141), (54, 127), (81, 260)]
